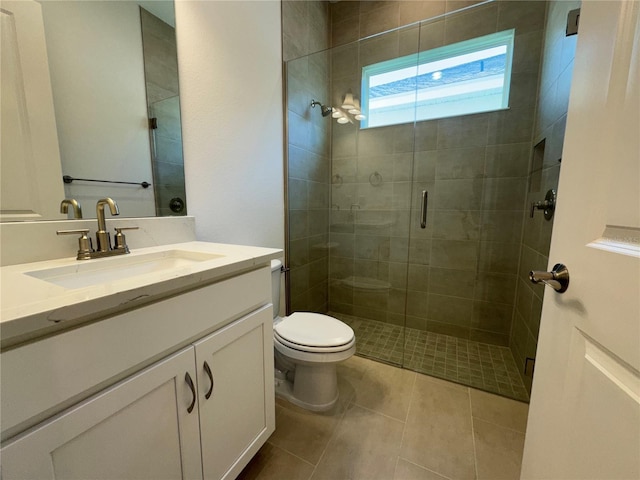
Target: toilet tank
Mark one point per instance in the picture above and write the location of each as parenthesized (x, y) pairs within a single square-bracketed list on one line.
[(276, 265)]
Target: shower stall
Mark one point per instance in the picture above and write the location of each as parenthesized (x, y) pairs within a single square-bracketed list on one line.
[(408, 213)]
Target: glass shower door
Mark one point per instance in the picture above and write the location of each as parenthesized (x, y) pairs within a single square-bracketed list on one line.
[(371, 191), (473, 168), (448, 298)]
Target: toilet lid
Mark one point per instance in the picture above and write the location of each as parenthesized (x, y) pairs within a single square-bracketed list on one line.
[(314, 330)]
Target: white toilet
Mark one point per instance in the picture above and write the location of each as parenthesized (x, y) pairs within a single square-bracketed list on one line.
[(307, 347)]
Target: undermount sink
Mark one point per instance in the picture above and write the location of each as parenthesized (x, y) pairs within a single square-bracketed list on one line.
[(105, 270)]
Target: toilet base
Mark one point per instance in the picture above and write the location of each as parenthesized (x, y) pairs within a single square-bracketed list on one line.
[(313, 388)]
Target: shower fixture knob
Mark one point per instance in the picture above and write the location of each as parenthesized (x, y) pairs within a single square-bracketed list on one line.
[(548, 205)]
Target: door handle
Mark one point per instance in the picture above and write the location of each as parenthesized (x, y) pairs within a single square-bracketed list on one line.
[(423, 210), (207, 369), (187, 378), (558, 278)]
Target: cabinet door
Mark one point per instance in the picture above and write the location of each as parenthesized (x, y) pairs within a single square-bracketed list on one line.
[(137, 429), (239, 414)]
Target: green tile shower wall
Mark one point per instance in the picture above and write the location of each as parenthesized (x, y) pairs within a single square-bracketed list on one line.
[(478, 246), (549, 125), (459, 274), (305, 30)]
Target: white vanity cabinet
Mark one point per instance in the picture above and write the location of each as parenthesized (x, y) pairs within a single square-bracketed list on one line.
[(139, 428), (199, 412), (236, 415)]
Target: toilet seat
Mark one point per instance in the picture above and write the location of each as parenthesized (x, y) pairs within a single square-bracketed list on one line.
[(314, 332)]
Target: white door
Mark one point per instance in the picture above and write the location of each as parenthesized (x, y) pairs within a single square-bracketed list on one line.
[(138, 429), (235, 386), (30, 174), (584, 417)]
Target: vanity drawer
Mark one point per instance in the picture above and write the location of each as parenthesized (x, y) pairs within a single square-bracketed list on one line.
[(43, 378)]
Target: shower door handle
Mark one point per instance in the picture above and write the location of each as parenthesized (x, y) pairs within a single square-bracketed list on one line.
[(423, 211)]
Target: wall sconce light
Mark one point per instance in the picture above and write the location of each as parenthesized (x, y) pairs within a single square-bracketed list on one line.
[(348, 111), (348, 103), (355, 107)]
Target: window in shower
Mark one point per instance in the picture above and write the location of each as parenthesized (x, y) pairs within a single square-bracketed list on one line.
[(467, 77)]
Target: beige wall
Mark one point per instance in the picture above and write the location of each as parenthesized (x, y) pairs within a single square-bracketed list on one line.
[(229, 57), (100, 103)]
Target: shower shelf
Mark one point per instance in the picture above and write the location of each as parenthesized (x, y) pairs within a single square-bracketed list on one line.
[(326, 245), (380, 224), (366, 283)]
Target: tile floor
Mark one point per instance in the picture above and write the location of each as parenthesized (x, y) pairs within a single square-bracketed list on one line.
[(395, 424), (480, 365)]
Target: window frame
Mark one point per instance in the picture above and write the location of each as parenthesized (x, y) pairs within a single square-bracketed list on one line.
[(502, 38)]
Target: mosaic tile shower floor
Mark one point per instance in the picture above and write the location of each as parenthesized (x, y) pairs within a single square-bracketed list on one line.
[(480, 365)]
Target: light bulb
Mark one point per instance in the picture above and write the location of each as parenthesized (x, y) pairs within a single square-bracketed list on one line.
[(360, 117), (356, 107), (335, 113), (343, 120), (348, 102)]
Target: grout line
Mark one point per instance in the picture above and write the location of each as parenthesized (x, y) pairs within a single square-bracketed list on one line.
[(379, 413), (498, 425), (424, 468), (473, 417), (406, 419), (395, 469), (473, 434), (413, 389), (291, 453), (334, 433)]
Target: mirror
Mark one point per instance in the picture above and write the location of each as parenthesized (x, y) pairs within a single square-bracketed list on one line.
[(114, 83)]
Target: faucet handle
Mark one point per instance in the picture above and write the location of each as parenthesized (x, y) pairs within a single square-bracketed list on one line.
[(121, 241), (84, 243), (82, 231)]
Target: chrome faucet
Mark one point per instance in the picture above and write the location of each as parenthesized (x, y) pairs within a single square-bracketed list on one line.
[(77, 209), (103, 243)]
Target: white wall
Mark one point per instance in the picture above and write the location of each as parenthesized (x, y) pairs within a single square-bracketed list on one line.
[(97, 77), (229, 56)]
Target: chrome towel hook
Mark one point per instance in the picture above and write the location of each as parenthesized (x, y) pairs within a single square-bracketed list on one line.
[(375, 179)]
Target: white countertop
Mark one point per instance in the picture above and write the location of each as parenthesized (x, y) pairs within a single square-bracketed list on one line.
[(31, 307)]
